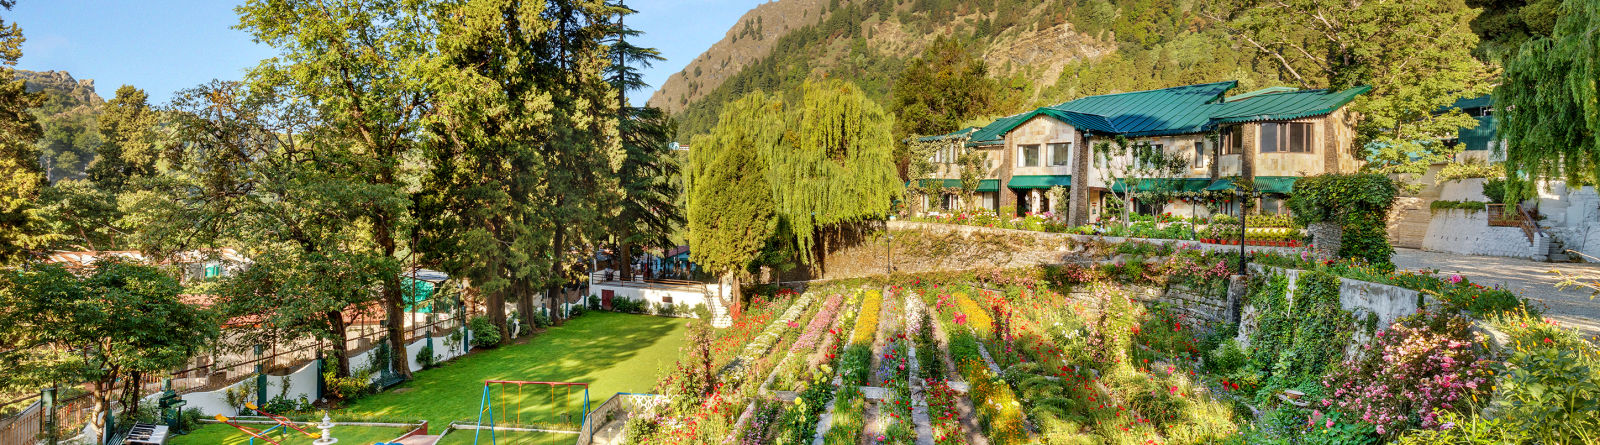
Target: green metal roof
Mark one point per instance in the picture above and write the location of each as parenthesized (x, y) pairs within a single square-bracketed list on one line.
[(952, 135), (1164, 184), (1179, 110), (1285, 105), (1468, 103), (1264, 184), (989, 185), (1479, 137), (1039, 181), (1166, 111)]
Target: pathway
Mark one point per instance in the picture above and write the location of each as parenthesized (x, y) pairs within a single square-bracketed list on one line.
[(1570, 307)]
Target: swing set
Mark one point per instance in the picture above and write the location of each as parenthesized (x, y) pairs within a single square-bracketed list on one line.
[(560, 406)]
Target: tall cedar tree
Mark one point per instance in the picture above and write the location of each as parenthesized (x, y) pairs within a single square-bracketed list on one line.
[(834, 166), (1550, 113), (939, 90), (731, 211), (21, 178), (356, 62), (648, 212), (1415, 67), (482, 192), (583, 151)]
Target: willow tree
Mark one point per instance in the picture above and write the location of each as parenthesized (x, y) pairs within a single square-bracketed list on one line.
[(834, 166), (1547, 101), (731, 213)]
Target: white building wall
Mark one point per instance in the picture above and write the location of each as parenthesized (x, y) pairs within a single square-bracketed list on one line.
[(1469, 233)]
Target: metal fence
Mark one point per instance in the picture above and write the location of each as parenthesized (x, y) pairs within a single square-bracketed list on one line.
[(29, 425)]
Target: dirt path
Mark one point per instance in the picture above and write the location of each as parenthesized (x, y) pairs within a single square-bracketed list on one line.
[(1570, 307)]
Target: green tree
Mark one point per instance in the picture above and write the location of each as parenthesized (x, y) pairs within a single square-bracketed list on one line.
[(116, 323), (1144, 171), (356, 63), (647, 212), (241, 177), (1415, 67), (731, 212), (1547, 100), (834, 166), (128, 146), (938, 91), (21, 178)]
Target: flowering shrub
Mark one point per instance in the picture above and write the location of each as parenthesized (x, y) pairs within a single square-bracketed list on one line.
[(972, 315), (819, 325), (1422, 364), (942, 414), (867, 325)]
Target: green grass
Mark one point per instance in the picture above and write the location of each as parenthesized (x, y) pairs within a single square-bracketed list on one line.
[(464, 437), (610, 351), (218, 434)]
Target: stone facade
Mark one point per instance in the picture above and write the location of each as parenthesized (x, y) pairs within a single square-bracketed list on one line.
[(1469, 233), (1325, 238)]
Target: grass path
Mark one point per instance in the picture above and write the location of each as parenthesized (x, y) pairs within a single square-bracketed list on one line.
[(612, 352)]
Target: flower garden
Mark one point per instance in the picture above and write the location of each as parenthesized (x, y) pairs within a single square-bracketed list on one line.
[(1080, 354)]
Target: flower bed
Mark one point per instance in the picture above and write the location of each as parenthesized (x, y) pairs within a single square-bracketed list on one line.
[(867, 325)]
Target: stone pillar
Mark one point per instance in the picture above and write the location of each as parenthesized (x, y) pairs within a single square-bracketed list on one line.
[(1078, 195), (1250, 133), (1238, 286), (1008, 164), (1325, 238)]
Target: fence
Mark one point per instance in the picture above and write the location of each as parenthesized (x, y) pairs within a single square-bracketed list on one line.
[(619, 407), (29, 424)]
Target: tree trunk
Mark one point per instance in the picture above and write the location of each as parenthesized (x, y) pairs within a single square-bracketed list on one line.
[(497, 314), (557, 247), (340, 343), (730, 283), (102, 405), (625, 256), (524, 295)]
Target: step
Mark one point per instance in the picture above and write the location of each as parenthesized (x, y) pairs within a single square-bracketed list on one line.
[(419, 440)]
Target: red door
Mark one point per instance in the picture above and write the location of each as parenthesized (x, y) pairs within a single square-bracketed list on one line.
[(605, 298)]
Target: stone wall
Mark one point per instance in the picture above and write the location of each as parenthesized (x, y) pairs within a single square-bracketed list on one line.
[(1326, 238), (1408, 221), (1573, 217), (1381, 302), (1469, 233)]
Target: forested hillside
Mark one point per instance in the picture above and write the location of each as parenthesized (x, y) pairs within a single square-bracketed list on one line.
[(1040, 52), (68, 119)]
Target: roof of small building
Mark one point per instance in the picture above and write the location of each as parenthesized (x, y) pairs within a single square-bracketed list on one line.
[(1178, 110)]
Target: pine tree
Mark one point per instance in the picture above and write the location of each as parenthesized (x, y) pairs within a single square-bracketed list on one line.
[(647, 212), (21, 178), (731, 212)]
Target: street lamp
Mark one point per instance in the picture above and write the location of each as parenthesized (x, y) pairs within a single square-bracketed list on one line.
[(888, 265), (1243, 260)]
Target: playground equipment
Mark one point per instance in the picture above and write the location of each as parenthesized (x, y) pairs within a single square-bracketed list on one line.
[(486, 406), (254, 433), (282, 421)]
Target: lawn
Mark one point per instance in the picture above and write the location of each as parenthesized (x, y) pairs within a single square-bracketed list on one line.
[(218, 434), (611, 352)]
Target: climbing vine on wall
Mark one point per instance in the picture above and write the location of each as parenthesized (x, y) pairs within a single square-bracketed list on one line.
[(1298, 338), (1358, 203)]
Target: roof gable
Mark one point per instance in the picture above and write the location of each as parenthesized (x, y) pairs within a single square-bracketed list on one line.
[(1175, 110)]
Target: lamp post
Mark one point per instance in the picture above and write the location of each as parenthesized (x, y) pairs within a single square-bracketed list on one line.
[(888, 265), (1243, 260)]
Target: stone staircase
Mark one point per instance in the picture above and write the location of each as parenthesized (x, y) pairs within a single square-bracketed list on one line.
[(1557, 251), (720, 316)]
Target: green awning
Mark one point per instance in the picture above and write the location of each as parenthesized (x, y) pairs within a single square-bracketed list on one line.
[(1039, 181), (989, 185), (1165, 184), (1265, 184)]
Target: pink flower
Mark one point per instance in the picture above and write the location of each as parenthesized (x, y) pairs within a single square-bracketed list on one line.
[(1455, 279)]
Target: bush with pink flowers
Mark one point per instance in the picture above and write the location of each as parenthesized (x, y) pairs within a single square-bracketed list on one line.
[(1422, 365)]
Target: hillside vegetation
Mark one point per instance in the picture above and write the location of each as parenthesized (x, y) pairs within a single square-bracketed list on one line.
[(1041, 52)]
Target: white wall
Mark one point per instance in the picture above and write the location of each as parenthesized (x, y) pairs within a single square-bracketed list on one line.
[(1463, 190), (654, 294), (1469, 233), (1572, 216), (303, 381)]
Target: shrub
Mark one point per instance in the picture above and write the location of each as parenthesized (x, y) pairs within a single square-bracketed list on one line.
[(425, 357), (1358, 203), (484, 333), (629, 305), (1495, 190), (1551, 393), (347, 389), (1467, 206), (1422, 365), (541, 320), (1472, 168)]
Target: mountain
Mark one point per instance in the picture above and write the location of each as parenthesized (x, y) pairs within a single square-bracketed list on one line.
[(68, 116), (1043, 51)]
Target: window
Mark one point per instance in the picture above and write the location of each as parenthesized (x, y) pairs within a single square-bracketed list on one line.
[(1232, 141), (1028, 156), (1060, 154), (1293, 137), (1142, 155), (1200, 154)]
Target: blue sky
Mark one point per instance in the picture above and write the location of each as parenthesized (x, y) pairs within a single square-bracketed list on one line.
[(167, 45)]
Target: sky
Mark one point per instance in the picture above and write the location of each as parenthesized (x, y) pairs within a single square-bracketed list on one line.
[(164, 46)]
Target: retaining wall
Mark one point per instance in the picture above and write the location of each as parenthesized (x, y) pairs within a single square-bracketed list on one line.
[(1469, 233)]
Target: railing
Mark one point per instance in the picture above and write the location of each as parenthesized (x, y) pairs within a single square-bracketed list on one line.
[(28, 425), (619, 407)]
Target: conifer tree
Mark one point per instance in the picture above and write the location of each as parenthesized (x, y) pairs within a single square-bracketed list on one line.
[(647, 212), (731, 212), (21, 178)]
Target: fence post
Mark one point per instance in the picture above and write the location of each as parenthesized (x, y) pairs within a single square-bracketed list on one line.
[(47, 407), (261, 379), (322, 383)]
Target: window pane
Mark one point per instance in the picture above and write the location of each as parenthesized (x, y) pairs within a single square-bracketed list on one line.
[(1300, 137), (1060, 154), (1269, 138), (1199, 154), (1030, 156)]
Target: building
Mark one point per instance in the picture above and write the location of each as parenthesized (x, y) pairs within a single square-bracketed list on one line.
[(1269, 137)]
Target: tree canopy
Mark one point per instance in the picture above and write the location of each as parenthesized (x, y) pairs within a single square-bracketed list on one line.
[(1549, 113), (730, 210)]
